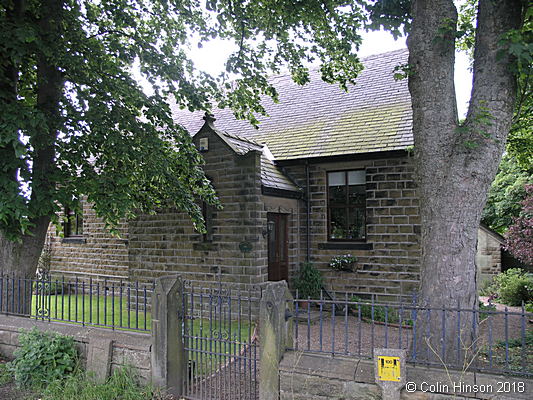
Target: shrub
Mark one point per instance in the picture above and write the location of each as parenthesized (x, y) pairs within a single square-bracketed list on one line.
[(309, 282), (513, 287), (42, 358)]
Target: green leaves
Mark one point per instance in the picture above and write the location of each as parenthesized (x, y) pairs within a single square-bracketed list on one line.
[(75, 123), (42, 358), (506, 193)]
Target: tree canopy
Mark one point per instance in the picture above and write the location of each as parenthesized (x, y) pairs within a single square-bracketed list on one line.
[(75, 123)]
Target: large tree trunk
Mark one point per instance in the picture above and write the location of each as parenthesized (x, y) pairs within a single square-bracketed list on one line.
[(455, 163), (18, 263), (19, 259)]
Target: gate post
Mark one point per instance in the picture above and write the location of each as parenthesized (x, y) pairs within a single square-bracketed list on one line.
[(169, 361), (276, 326)]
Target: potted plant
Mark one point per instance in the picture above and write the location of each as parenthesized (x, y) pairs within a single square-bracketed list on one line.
[(345, 262), (309, 282)]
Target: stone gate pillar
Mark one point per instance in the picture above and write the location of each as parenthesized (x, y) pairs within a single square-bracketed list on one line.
[(276, 334), (169, 360)]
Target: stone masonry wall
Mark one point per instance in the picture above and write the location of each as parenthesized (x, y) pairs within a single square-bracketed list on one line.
[(390, 270), (96, 254), (488, 256), (306, 376), (166, 243), (127, 348)]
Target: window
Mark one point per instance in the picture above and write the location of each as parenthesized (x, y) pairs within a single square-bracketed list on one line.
[(346, 205), (73, 225)]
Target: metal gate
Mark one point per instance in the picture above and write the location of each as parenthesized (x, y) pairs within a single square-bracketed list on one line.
[(220, 338)]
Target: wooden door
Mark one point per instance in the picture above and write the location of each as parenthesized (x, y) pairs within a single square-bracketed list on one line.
[(278, 247)]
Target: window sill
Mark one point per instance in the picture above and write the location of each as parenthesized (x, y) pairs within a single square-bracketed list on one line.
[(76, 240), (345, 246)]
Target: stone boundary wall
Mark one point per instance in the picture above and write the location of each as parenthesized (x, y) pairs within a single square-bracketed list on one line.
[(101, 350), (305, 376)]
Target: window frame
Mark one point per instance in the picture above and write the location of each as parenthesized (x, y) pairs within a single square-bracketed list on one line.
[(346, 206), (67, 225)]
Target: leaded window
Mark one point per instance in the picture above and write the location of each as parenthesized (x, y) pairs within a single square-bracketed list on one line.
[(346, 205)]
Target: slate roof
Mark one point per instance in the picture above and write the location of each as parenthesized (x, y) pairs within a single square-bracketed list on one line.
[(320, 119), (271, 175)]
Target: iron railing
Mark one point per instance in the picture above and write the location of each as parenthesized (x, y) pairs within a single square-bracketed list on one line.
[(94, 302), (220, 337), (499, 341)]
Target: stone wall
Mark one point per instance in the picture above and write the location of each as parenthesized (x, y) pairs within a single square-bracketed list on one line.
[(306, 376), (390, 268), (489, 254), (96, 254), (166, 242), (125, 348)]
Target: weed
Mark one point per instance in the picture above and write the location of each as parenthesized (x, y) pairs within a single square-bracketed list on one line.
[(43, 357)]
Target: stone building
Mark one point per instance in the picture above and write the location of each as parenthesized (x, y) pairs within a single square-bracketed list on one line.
[(489, 253), (327, 173)]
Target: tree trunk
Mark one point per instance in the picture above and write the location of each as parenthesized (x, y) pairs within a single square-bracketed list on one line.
[(18, 263), (455, 164)]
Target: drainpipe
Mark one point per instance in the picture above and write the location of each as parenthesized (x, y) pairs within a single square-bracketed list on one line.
[(308, 208)]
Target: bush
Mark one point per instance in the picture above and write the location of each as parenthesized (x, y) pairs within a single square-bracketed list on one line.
[(42, 358), (309, 282), (513, 287)]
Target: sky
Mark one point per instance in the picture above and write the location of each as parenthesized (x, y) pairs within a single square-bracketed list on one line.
[(210, 58)]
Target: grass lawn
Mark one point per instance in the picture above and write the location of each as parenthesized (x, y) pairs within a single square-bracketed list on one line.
[(111, 311), (92, 310)]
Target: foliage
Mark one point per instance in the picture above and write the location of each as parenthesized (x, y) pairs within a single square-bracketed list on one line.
[(75, 123), (505, 194), (43, 357), (122, 384), (5, 374), (518, 341), (378, 313), (343, 263), (519, 240), (309, 282), (512, 287)]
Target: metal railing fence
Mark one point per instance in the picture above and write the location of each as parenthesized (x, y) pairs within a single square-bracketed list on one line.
[(499, 341), (102, 303)]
